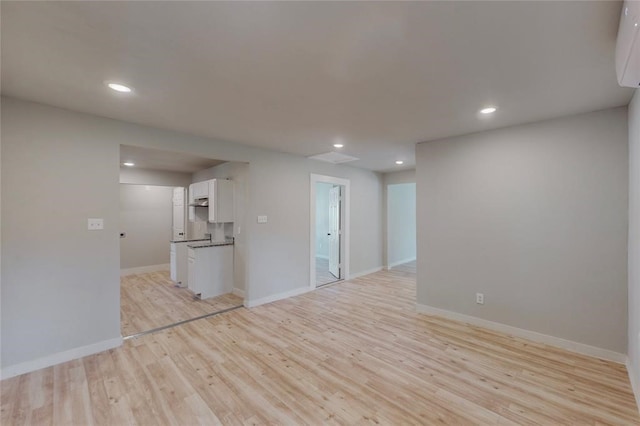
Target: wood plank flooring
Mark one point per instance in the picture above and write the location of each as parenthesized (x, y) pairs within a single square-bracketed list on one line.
[(152, 300), (352, 353)]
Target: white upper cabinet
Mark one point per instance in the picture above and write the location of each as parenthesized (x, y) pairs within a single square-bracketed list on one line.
[(200, 189), (191, 209), (220, 201)]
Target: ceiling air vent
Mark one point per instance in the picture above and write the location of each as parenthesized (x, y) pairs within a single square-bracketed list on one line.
[(333, 157)]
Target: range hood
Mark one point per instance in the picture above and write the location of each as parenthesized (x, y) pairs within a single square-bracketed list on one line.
[(200, 202)]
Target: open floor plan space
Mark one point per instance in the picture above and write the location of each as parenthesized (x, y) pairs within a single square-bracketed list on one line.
[(351, 353), (152, 300)]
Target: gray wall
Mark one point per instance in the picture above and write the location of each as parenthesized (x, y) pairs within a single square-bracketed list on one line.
[(322, 219), (534, 217), (401, 223), (634, 243), (146, 215), (60, 282), (139, 176)]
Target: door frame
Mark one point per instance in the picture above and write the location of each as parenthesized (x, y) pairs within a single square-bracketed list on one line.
[(344, 218)]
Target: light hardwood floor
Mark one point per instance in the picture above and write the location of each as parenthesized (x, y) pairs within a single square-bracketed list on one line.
[(152, 300), (352, 353)]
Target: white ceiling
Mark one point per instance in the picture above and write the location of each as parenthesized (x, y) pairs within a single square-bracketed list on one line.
[(295, 77), (156, 159)]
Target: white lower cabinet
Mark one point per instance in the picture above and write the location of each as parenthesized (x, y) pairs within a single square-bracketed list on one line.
[(210, 270)]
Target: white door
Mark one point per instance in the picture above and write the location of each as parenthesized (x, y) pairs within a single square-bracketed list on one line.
[(334, 231), (178, 214)]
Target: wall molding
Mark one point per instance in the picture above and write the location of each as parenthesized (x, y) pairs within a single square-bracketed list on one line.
[(635, 386), (558, 342), (144, 269), (400, 262), (277, 296), (363, 273), (59, 358)]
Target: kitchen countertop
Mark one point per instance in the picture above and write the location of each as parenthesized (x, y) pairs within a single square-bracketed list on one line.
[(190, 240), (211, 244)]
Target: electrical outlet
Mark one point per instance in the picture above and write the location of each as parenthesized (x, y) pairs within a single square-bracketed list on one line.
[(480, 298), (95, 224), (262, 219)]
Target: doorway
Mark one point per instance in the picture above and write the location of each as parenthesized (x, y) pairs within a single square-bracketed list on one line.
[(401, 227), (329, 230)]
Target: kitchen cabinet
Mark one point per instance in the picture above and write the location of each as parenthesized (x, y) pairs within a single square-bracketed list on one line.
[(200, 189), (191, 210), (210, 270), (220, 201)]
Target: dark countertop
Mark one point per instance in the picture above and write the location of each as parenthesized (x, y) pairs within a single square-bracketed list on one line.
[(189, 241), (211, 244)]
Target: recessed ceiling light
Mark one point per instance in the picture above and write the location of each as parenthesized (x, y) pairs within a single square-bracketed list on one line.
[(338, 145), (488, 110), (129, 164), (119, 87), (399, 162)]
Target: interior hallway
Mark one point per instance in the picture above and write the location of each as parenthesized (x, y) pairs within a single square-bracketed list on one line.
[(354, 352)]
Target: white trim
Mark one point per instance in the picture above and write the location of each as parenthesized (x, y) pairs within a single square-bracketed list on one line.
[(400, 262), (144, 269), (238, 292), (319, 256), (276, 297), (367, 272), (635, 386), (346, 214), (527, 334), (58, 358)]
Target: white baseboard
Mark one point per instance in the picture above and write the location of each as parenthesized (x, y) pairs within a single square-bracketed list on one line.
[(144, 269), (275, 297), (400, 262), (58, 358), (633, 372), (527, 334), (238, 292), (363, 273)]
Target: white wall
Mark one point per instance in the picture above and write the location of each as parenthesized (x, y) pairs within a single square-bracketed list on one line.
[(322, 219), (534, 217), (401, 223), (634, 244), (135, 175), (54, 158), (146, 216), (60, 282)]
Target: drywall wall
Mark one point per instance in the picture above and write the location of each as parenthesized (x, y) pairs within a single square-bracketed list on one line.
[(70, 299), (534, 217), (60, 282), (634, 245), (401, 223), (322, 219), (139, 176), (146, 217), (403, 176)]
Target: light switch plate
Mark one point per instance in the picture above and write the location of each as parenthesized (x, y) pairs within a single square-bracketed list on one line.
[(262, 219), (95, 224)]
